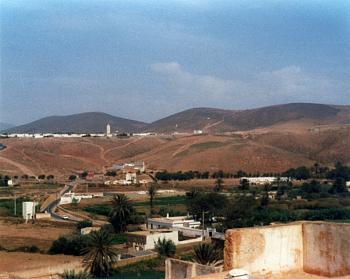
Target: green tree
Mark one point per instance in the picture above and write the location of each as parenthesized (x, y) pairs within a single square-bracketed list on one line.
[(264, 202), (165, 247), (241, 212), (207, 254), (212, 203), (121, 212), (84, 224), (152, 192), (244, 184), (218, 185), (339, 186), (72, 177), (99, 255)]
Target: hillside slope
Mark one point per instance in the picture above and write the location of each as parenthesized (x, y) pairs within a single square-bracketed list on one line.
[(216, 120), (271, 151), (89, 122)]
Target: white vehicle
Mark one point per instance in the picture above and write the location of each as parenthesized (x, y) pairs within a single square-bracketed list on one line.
[(65, 217)]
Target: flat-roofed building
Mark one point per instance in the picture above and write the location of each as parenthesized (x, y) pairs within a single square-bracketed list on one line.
[(146, 240), (172, 222)]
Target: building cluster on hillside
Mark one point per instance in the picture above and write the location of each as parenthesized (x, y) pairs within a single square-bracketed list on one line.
[(129, 173), (130, 167)]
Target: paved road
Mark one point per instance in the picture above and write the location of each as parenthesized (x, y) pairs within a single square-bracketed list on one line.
[(53, 205)]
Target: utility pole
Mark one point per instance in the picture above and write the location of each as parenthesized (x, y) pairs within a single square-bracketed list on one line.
[(15, 205), (202, 225)]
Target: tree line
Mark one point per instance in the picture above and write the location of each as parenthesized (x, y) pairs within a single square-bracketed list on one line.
[(299, 173)]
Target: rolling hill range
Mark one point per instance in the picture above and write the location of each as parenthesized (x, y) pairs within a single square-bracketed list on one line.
[(210, 120), (217, 120), (268, 151), (89, 122)]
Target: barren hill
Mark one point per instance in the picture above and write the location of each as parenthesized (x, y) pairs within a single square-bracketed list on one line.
[(252, 151), (89, 122), (217, 120), (210, 120)]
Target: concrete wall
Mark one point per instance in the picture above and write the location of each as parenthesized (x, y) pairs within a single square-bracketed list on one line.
[(318, 248), (265, 249), (177, 269), (326, 248)]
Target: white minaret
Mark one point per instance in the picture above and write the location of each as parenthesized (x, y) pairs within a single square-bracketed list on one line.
[(108, 129)]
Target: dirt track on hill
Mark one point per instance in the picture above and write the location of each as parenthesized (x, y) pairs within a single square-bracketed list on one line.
[(259, 150)]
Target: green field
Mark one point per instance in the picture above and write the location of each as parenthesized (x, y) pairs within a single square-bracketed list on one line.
[(172, 204)]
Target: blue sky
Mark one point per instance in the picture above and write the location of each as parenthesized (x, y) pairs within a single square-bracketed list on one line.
[(147, 59)]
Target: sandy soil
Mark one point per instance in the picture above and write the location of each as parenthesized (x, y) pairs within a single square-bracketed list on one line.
[(40, 234), (18, 261)]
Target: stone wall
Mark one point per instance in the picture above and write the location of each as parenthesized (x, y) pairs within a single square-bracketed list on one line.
[(177, 269), (265, 249), (326, 248), (318, 248)]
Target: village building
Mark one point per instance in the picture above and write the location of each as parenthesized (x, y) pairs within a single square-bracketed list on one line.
[(172, 222), (146, 240), (264, 180)]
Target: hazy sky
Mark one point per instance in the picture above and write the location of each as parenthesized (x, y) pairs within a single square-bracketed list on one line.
[(147, 59)]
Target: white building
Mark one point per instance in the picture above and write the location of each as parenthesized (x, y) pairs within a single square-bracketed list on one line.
[(28, 210), (172, 222), (146, 240), (70, 197), (131, 178), (264, 180)]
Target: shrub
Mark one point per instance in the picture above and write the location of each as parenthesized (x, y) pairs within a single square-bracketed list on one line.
[(69, 245), (165, 247), (72, 177), (84, 224)]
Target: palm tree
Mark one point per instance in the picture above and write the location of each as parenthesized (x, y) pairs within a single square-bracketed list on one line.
[(207, 254), (99, 254), (165, 247), (75, 275), (121, 212), (152, 192)]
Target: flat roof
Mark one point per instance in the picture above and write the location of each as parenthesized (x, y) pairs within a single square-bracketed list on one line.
[(150, 232)]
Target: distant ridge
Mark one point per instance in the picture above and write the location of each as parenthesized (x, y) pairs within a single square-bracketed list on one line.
[(4, 126), (209, 120), (88, 122), (220, 120)]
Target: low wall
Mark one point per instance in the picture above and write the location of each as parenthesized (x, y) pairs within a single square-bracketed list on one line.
[(265, 249), (124, 262), (326, 248), (177, 269)]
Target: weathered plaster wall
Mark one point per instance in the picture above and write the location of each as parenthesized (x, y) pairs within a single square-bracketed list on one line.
[(326, 248), (177, 269), (265, 249)]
